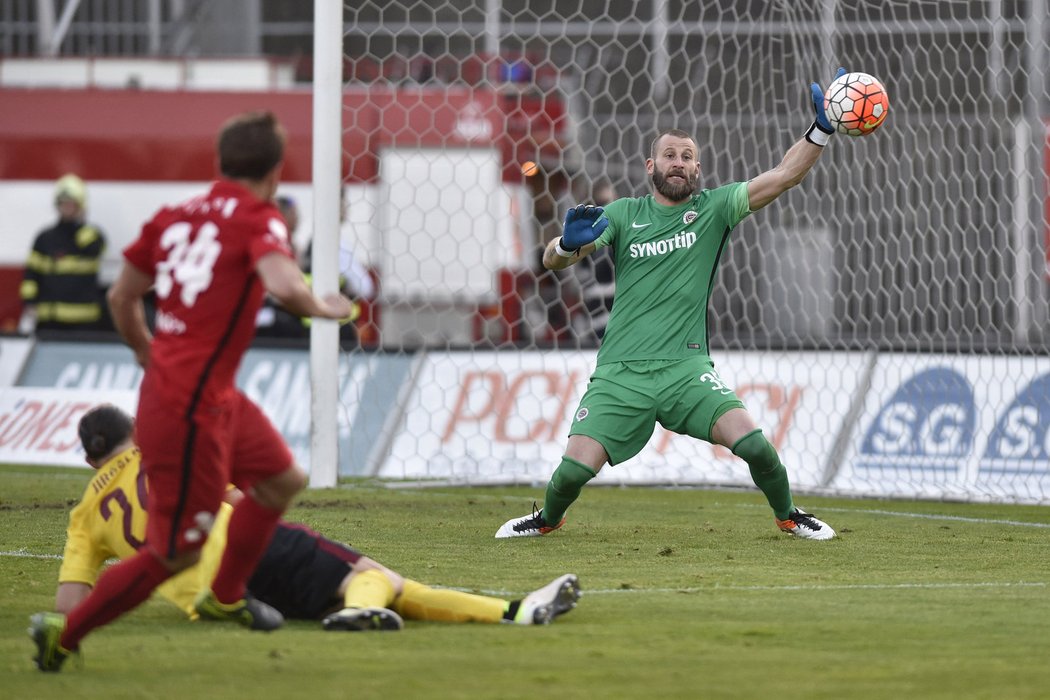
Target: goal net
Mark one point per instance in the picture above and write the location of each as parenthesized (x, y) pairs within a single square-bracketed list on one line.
[(885, 322)]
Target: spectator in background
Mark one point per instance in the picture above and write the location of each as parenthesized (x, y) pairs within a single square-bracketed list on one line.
[(595, 274), (290, 211), (355, 281), (60, 287), (273, 321), (550, 304)]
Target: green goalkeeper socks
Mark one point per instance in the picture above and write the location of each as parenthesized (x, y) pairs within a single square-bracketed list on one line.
[(564, 488), (767, 472)]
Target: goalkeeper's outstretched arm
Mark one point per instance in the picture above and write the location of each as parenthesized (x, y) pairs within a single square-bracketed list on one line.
[(798, 160)]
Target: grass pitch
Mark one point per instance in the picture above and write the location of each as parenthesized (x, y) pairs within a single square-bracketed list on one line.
[(687, 594)]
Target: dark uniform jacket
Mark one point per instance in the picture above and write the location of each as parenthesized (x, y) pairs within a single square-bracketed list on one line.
[(61, 276)]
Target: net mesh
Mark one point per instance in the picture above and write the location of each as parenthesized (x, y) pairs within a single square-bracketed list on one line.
[(926, 237), (903, 240)]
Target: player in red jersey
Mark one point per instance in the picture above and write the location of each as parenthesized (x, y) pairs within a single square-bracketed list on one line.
[(209, 260)]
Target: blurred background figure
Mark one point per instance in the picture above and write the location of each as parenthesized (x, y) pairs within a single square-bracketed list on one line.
[(60, 287), (595, 275), (290, 211), (355, 281), (273, 321), (550, 301)]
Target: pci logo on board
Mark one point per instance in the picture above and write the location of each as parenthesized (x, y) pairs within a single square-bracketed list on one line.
[(1020, 441), (928, 422)]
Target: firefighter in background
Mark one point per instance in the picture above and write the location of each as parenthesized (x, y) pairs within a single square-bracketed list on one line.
[(60, 288)]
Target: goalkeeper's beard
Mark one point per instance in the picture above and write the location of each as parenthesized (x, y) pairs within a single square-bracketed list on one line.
[(675, 192)]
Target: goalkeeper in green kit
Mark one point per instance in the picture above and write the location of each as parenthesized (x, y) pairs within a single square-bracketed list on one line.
[(654, 363)]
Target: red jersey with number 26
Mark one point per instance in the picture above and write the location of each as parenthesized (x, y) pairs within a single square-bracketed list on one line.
[(202, 255)]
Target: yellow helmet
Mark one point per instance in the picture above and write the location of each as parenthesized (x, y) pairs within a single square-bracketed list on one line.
[(71, 187)]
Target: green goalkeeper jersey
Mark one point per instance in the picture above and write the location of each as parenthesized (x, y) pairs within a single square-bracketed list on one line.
[(666, 260)]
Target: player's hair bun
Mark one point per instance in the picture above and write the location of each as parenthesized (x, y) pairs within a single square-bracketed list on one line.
[(103, 428)]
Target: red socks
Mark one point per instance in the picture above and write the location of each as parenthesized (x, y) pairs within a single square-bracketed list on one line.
[(125, 585), (250, 530), (120, 588)]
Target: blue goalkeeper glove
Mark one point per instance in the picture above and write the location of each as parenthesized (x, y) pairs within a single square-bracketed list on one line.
[(583, 225), (821, 129)]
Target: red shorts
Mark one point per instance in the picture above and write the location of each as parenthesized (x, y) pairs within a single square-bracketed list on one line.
[(190, 462)]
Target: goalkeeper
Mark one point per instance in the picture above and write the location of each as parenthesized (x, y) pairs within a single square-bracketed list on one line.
[(654, 364), (302, 574)]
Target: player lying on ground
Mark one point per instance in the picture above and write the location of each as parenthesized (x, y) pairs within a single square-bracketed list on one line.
[(654, 363), (301, 574)]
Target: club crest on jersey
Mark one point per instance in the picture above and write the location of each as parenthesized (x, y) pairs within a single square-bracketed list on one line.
[(690, 217), (582, 413)]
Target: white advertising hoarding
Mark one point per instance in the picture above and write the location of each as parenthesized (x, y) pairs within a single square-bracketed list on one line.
[(278, 380), (13, 354), (39, 426), (504, 417), (901, 425), (953, 426)]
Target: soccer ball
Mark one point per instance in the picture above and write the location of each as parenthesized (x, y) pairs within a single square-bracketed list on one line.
[(856, 104)]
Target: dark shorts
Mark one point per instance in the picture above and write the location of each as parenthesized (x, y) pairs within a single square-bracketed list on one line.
[(301, 571), (625, 400)]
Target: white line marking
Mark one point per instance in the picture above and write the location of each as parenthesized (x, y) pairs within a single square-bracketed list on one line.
[(923, 516), (892, 513), (844, 587), (869, 511), (834, 587), (23, 554), (935, 516)]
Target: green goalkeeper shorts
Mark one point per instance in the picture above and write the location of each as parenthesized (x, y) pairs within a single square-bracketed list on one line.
[(624, 401)]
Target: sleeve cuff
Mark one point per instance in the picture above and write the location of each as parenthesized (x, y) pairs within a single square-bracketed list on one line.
[(563, 252), (816, 136)]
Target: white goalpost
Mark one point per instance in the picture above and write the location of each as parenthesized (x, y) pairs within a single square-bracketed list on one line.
[(327, 164)]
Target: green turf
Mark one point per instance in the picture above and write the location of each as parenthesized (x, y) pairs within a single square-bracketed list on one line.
[(687, 594)]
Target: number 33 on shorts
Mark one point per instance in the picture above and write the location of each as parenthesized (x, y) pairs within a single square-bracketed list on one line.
[(715, 382)]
